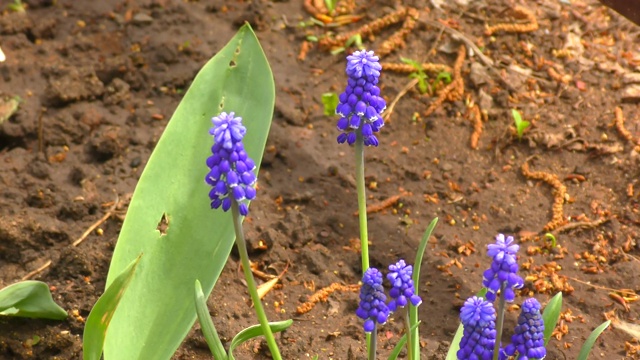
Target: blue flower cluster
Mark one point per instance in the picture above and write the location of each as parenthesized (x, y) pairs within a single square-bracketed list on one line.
[(402, 288), (361, 105), (478, 318), (528, 337), (231, 171), (503, 273), (372, 306)]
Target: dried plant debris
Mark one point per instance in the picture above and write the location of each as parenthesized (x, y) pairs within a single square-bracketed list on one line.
[(408, 68), (323, 295), (395, 41), (455, 89), (531, 23), (622, 130), (476, 118), (559, 193)]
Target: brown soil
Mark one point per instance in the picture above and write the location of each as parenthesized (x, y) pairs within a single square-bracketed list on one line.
[(100, 79)]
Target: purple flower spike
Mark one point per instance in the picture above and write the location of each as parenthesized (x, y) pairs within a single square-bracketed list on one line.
[(230, 169), (503, 270), (372, 306), (478, 318), (528, 338), (402, 289), (360, 104)]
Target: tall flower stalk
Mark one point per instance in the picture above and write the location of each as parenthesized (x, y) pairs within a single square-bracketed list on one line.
[(359, 108), (232, 178)]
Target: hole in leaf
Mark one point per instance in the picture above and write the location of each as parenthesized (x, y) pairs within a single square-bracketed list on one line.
[(221, 105), (237, 52), (163, 225), (232, 63)]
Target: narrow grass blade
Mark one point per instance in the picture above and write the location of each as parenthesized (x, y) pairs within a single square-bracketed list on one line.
[(413, 311), (208, 329), (588, 344), (30, 299), (550, 316), (255, 331), (95, 329), (401, 343)]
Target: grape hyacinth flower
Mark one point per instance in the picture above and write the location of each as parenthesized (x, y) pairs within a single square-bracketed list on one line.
[(372, 306), (360, 105), (503, 273), (528, 338), (231, 170), (402, 289), (479, 337)]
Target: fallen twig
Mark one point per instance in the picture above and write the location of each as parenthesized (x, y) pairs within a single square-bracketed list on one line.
[(37, 271), (93, 226), (581, 225), (405, 89)]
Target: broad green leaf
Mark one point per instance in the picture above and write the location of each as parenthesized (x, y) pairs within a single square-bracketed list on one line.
[(194, 242), (255, 331), (550, 316), (455, 343), (30, 299), (413, 310), (588, 344), (208, 329), (95, 330)]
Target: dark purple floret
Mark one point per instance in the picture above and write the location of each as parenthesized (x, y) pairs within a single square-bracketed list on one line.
[(402, 289), (372, 307), (478, 318), (360, 105), (528, 338), (503, 270), (231, 171)]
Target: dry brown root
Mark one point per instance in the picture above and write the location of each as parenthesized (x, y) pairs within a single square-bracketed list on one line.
[(323, 295), (559, 193), (407, 68), (476, 117), (521, 11), (453, 91)]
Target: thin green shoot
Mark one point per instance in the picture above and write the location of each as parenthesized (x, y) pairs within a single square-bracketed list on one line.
[(444, 76), (17, 6), (521, 125), (419, 74), (331, 5), (330, 102), (312, 38), (552, 238), (354, 40)]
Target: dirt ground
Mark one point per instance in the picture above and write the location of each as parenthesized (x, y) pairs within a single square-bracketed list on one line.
[(98, 81)]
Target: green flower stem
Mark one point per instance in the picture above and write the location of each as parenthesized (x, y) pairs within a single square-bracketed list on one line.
[(362, 201), (374, 342), (407, 320), (499, 323), (251, 283), (362, 215)]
